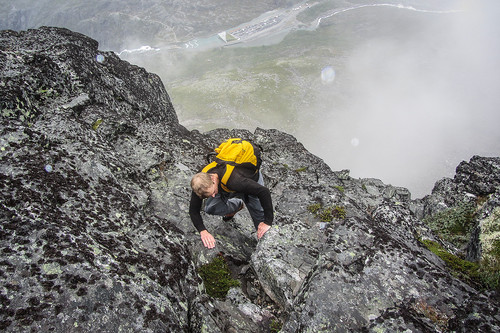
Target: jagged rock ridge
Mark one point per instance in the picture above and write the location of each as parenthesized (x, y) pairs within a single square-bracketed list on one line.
[(95, 234)]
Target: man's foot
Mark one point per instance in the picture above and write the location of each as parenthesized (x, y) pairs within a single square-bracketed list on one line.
[(228, 217)]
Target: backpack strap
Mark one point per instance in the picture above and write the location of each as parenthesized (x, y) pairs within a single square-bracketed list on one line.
[(225, 178), (209, 166)]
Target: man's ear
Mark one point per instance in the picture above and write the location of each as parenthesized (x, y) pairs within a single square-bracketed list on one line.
[(214, 178)]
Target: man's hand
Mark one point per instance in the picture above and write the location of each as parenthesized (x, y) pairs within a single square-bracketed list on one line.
[(262, 229), (207, 239)]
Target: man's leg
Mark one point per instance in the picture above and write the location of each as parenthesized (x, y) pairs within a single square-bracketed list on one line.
[(217, 206), (254, 207)]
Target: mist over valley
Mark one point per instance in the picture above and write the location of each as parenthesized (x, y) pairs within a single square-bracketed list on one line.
[(396, 90)]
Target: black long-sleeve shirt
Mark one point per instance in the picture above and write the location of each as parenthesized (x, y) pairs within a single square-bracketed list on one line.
[(241, 181)]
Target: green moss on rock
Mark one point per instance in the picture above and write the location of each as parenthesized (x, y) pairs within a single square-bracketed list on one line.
[(490, 236), (462, 268), (490, 243), (454, 224), (314, 208), (275, 326), (96, 124), (327, 214), (217, 277), (485, 274)]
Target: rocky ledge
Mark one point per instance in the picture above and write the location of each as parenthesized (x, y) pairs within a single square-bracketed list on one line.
[(95, 234)]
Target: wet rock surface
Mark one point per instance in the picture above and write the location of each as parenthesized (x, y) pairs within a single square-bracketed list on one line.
[(95, 234)]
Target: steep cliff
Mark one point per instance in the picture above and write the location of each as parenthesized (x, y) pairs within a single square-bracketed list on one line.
[(95, 234)]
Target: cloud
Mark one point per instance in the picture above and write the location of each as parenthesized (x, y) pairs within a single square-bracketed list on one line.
[(418, 99)]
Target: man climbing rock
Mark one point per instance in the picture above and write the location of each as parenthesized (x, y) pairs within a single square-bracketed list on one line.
[(229, 183)]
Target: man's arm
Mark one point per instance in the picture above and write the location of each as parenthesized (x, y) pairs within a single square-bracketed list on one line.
[(194, 212), (249, 186), (264, 196)]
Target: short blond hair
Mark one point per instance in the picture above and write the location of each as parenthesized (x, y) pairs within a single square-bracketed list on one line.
[(200, 183)]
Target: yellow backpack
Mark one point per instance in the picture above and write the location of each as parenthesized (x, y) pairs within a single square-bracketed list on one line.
[(235, 152)]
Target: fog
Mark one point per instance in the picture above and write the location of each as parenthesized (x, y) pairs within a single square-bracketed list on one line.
[(419, 101), (424, 104), (401, 91)]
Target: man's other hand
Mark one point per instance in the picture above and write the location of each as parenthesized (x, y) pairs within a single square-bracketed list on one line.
[(262, 229), (207, 239)]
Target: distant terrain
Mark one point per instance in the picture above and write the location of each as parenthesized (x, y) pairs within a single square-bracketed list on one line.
[(118, 24), (411, 91)]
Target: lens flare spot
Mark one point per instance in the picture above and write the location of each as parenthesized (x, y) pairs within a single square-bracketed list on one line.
[(327, 74), (99, 58)]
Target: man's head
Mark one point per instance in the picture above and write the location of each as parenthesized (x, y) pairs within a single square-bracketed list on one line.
[(204, 185)]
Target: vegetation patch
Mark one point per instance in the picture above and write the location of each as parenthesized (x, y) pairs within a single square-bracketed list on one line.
[(96, 124), (217, 277), (489, 272), (490, 236), (463, 269), (490, 243), (485, 274), (454, 224), (275, 326), (327, 214), (314, 208), (340, 188)]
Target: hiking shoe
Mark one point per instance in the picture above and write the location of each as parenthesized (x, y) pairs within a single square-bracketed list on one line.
[(228, 217)]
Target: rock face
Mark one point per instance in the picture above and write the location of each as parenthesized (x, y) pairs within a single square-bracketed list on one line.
[(79, 251), (476, 182), (95, 234)]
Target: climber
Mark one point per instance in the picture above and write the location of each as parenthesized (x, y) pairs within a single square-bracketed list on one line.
[(227, 187)]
